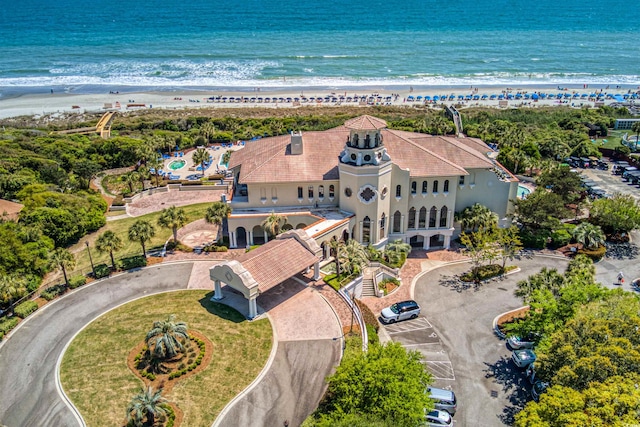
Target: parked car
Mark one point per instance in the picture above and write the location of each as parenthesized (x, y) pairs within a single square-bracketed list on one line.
[(538, 388), (523, 358), (515, 342), (400, 311), (438, 418), (445, 400)]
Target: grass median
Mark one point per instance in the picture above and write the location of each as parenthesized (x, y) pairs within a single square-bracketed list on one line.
[(95, 376)]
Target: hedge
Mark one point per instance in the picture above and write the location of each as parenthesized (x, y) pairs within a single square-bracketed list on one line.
[(118, 201), (25, 309), (214, 248), (133, 262), (483, 272), (594, 254), (369, 318), (102, 270), (77, 281), (53, 291), (6, 325)]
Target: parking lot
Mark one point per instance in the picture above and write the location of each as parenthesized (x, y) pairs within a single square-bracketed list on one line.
[(609, 182)]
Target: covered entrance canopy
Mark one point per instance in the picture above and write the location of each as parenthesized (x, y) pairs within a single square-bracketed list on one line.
[(261, 269)]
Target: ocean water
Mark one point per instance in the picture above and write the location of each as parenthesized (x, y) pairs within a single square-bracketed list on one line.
[(81, 46)]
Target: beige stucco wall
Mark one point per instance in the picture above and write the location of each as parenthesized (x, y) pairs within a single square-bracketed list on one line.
[(483, 186)]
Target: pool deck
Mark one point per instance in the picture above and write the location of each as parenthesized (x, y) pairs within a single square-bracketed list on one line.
[(189, 170)]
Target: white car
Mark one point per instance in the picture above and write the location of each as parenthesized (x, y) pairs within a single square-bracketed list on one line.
[(400, 311), (437, 418), (523, 358)]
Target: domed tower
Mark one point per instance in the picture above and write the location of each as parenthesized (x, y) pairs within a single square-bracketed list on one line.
[(365, 178)]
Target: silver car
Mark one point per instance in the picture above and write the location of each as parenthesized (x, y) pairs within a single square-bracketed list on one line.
[(437, 419), (523, 358), (445, 400), (516, 342)]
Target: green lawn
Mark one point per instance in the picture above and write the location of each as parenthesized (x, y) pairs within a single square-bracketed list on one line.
[(121, 227), (95, 376)]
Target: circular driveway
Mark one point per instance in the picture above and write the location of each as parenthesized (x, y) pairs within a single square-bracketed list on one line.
[(305, 353)]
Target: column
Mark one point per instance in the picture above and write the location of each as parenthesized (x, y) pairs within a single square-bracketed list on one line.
[(250, 238), (438, 218), (218, 291), (316, 270), (450, 220), (266, 236), (447, 241), (426, 243), (360, 231), (253, 307), (402, 230), (232, 239)]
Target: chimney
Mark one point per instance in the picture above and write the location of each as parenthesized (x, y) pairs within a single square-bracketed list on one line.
[(296, 142)]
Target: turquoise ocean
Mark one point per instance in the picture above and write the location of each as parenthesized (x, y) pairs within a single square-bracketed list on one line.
[(102, 45)]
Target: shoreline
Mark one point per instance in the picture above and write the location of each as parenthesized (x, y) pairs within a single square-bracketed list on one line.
[(41, 102)]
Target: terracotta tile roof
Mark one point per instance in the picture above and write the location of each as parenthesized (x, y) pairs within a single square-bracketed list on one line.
[(270, 160), (276, 261), (365, 122)]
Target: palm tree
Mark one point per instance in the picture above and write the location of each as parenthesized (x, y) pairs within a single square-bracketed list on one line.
[(172, 218), (589, 235), (476, 217), (62, 259), (337, 246), (143, 173), (141, 231), (208, 130), (353, 257), (146, 406), (216, 214), (273, 223), (109, 242), (201, 156), (166, 337), (396, 250), (130, 179), (156, 164), (12, 287)]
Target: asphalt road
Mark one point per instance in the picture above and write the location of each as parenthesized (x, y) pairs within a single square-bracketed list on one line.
[(29, 359)]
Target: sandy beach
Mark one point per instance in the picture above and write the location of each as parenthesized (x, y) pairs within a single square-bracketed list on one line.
[(34, 104)]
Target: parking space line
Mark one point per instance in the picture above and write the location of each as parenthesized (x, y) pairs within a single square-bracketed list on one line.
[(424, 343), (440, 370), (413, 325)]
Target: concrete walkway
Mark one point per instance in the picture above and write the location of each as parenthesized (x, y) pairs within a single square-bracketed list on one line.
[(290, 387)]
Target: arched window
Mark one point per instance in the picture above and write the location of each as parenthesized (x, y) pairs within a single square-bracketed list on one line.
[(435, 186), (311, 191), (432, 217), (397, 219), (321, 191), (398, 190), (383, 224), (263, 193), (332, 191), (274, 193), (445, 187), (412, 218), (443, 216), (366, 230), (425, 184), (414, 185), (299, 192), (422, 219)]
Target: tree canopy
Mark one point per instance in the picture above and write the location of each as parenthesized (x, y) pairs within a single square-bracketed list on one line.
[(618, 214)]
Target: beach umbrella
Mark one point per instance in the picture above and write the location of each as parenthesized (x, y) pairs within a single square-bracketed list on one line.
[(509, 96), (419, 97), (476, 97), (427, 98), (436, 98), (535, 96), (484, 96), (584, 95), (493, 96), (501, 96), (527, 96), (452, 97)]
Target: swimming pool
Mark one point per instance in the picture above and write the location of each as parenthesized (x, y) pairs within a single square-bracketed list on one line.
[(523, 191), (177, 164)]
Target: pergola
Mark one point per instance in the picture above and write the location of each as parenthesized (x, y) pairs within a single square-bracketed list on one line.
[(259, 270)]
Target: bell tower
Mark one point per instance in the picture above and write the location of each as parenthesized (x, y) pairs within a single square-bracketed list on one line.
[(365, 178)]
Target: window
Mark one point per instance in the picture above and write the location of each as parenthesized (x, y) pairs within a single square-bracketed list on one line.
[(461, 180), (445, 187), (332, 191), (274, 193), (398, 190), (397, 219), (432, 217), (412, 218), (443, 216), (424, 187), (311, 191), (321, 192), (414, 186), (422, 220), (435, 186), (299, 192), (263, 194), (366, 230), (383, 223)]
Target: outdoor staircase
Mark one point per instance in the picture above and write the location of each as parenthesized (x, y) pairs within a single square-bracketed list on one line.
[(457, 120), (368, 285)]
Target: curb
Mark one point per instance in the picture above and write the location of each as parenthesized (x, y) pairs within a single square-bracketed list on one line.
[(272, 356), (497, 330)]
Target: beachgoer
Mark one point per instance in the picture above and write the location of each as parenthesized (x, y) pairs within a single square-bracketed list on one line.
[(620, 278)]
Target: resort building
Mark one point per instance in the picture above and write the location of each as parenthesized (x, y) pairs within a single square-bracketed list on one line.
[(366, 182)]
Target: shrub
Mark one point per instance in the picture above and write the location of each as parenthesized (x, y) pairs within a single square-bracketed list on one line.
[(48, 295), (53, 291), (372, 335), (214, 248), (134, 261), (171, 245), (562, 236), (594, 254), (367, 315), (7, 324), (185, 183), (118, 201), (77, 281), (102, 270), (25, 309), (534, 239), (483, 272)]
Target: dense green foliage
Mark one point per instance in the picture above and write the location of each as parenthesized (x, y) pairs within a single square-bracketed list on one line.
[(24, 309), (386, 383), (618, 214)]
